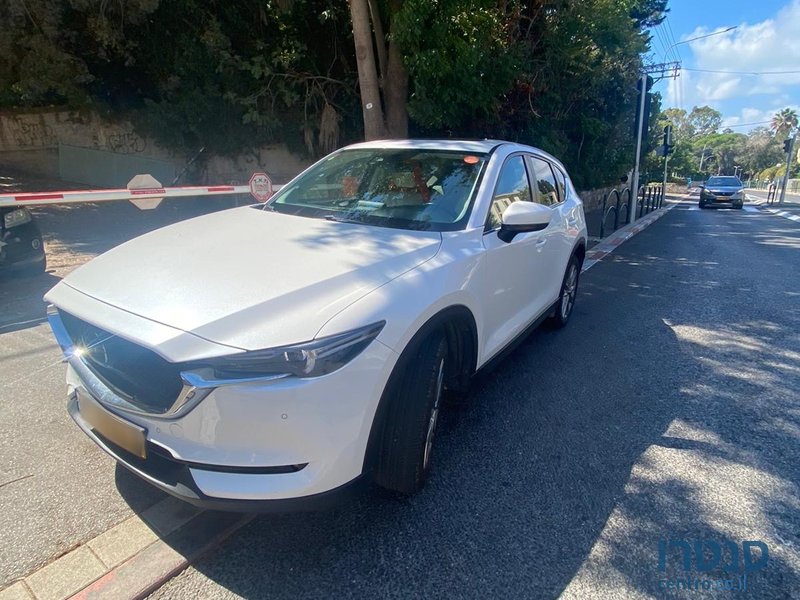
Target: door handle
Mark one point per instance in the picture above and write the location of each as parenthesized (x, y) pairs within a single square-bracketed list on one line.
[(540, 244)]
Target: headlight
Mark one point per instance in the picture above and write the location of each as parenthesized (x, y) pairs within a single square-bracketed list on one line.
[(309, 359), (738, 195), (19, 216)]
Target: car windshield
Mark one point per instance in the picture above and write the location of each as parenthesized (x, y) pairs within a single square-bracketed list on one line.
[(724, 181), (401, 188)]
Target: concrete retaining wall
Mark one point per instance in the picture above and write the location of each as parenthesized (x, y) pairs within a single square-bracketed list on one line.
[(100, 152)]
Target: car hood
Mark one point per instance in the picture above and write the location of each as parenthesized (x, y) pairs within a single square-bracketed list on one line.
[(249, 278)]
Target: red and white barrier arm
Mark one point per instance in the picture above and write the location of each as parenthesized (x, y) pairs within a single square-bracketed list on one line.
[(69, 197)]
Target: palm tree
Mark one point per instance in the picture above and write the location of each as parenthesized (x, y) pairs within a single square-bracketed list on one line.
[(783, 122)]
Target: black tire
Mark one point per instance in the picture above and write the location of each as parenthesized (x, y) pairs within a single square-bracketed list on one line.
[(567, 294), (738, 206), (411, 417)]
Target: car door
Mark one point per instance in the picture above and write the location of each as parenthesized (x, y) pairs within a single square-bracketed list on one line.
[(513, 272), (550, 188)]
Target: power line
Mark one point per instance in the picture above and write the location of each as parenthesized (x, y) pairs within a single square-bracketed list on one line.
[(742, 72), (661, 41), (672, 36), (746, 124), (700, 37)]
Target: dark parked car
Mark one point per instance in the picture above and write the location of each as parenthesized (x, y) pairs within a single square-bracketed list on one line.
[(21, 247), (722, 190)]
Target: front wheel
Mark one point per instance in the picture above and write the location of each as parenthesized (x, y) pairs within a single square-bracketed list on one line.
[(413, 413), (568, 294)]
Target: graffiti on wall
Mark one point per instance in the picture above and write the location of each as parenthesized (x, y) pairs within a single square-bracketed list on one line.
[(31, 134), (121, 142), (44, 131)]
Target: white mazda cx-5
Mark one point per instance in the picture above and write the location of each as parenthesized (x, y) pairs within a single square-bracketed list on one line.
[(271, 355)]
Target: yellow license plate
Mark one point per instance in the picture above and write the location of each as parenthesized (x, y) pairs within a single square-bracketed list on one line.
[(124, 434)]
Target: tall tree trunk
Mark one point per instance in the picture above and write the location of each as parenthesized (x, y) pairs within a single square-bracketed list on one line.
[(380, 39), (374, 127), (395, 92)]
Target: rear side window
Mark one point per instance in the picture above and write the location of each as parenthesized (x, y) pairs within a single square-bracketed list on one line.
[(561, 183), (512, 186), (545, 187)]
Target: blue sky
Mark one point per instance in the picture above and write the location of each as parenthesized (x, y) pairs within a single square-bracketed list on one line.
[(767, 38)]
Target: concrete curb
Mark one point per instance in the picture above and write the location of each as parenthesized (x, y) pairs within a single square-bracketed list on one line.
[(609, 244), (162, 560), (131, 559)]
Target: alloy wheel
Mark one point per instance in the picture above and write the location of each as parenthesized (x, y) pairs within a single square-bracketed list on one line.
[(570, 291), (434, 416)]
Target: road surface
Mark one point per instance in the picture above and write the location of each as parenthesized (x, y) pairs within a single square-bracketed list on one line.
[(666, 411)]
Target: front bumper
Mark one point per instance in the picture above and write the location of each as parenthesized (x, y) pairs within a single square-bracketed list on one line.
[(709, 198), (284, 444), (175, 477)]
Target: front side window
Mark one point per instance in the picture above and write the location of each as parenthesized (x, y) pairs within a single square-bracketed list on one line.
[(512, 186), (402, 188)]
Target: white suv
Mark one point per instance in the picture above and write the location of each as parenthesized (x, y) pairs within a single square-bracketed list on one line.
[(269, 354)]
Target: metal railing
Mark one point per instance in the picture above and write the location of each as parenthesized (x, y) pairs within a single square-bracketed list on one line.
[(613, 204), (616, 209), (772, 189), (649, 198)]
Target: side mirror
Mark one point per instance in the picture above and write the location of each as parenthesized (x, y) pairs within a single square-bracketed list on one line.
[(522, 217)]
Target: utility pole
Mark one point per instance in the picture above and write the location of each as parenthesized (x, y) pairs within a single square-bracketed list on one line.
[(640, 123), (645, 82), (791, 141)]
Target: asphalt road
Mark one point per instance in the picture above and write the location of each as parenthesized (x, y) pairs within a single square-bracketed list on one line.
[(57, 489), (791, 203), (667, 410)]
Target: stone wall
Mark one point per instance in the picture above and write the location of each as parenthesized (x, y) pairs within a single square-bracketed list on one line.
[(593, 199), (30, 140)]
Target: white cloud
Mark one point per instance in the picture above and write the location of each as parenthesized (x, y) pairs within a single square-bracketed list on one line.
[(771, 45), (750, 117)]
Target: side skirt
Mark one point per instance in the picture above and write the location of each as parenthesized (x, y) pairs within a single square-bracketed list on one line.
[(492, 363)]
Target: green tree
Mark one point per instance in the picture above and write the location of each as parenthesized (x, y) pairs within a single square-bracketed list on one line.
[(227, 76), (704, 120), (761, 150)]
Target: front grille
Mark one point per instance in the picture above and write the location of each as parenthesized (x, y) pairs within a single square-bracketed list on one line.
[(131, 371)]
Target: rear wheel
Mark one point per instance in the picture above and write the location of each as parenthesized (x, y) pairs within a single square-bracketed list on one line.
[(568, 294), (411, 419)]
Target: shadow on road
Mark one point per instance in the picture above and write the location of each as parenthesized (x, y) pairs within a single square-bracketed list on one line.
[(666, 410)]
